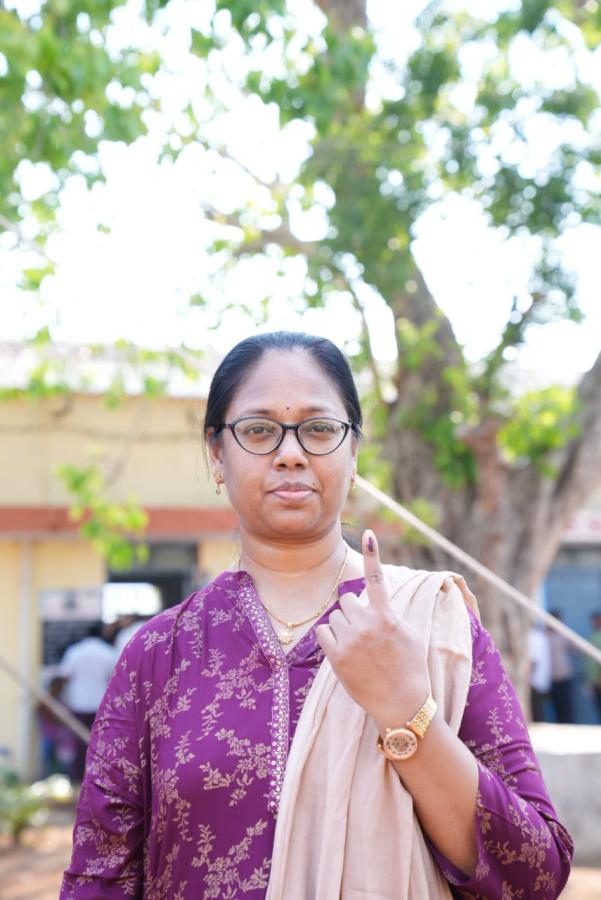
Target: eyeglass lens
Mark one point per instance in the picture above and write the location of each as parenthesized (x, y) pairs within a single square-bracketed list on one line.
[(315, 435)]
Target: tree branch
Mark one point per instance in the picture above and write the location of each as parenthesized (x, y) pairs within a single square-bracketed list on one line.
[(513, 335), (580, 466), (344, 14), (420, 307), (224, 154), (365, 328), (282, 235), (551, 503)]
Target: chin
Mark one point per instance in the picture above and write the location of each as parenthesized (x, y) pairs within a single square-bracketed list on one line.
[(286, 524)]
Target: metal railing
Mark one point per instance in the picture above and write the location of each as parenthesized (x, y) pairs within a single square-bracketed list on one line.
[(58, 709), (470, 563)]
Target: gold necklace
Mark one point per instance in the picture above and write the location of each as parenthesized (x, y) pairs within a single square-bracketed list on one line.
[(286, 636)]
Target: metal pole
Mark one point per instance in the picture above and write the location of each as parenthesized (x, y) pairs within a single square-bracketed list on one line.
[(60, 711), (470, 563)]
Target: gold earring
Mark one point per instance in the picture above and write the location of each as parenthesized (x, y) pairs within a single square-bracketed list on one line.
[(353, 487), (218, 481)]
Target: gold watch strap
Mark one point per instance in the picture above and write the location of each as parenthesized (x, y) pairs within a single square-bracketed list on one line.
[(420, 722)]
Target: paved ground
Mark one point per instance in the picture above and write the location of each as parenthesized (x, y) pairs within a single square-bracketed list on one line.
[(33, 871)]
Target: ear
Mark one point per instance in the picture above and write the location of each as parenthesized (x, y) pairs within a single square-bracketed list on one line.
[(354, 453), (215, 448)]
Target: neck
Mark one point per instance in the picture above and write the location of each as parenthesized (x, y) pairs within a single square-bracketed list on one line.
[(265, 558)]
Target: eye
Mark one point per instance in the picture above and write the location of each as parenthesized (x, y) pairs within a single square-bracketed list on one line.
[(321, 426), (257, 428)]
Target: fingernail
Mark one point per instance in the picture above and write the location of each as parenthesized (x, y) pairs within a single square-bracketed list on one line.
[(371, 544)]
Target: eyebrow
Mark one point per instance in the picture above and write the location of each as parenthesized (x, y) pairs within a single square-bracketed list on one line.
[(256, 411)]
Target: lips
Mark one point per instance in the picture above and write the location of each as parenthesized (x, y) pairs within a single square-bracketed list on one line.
[(291, 486), (293, 491)]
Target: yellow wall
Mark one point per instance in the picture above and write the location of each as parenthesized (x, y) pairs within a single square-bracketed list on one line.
[(66, 563), (61, 564), (10, 694), (217, 555), (26, 569), (153, 446)]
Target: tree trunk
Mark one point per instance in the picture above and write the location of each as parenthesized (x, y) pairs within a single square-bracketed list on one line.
[(510, 519), (344, 14)]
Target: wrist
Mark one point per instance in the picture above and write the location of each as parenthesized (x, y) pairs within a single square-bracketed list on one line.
[(401, 710), (400, 743)]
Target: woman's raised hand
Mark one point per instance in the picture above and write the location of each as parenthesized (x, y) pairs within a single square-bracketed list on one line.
[(379, 659)]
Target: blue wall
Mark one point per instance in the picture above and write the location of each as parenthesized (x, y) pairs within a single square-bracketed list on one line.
[(575, 590)]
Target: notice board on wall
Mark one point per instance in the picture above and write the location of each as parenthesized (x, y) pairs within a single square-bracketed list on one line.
[(66, 615)]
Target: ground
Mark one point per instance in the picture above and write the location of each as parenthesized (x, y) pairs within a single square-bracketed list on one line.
[(33, 870)]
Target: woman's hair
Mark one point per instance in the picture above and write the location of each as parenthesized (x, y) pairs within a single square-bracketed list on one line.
[(236, 366)]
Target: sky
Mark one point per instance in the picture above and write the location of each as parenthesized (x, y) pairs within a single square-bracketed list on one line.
[(133, 280)]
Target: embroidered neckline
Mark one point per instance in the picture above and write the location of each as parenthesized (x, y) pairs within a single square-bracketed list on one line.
[(280, 707), (280, 665)]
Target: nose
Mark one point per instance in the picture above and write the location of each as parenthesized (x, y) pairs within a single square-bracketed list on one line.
[(290, 452)]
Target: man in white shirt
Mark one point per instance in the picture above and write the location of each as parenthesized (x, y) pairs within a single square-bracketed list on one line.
[(87, 665), (540, 671), (562, 675), (128, 627)]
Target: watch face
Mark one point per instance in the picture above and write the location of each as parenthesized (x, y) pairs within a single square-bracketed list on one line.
[(401, 743)]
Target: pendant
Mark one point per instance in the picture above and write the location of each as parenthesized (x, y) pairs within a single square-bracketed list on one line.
[(286, 636)]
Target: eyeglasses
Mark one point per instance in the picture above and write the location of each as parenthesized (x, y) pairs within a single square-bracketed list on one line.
[(318, 436)]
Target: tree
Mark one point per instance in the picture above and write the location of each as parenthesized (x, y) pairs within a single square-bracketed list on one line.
[(389, 139)]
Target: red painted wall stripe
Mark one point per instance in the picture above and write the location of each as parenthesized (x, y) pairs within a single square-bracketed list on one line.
[(25, 520)]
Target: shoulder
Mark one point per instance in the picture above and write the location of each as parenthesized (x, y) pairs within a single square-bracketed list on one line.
[(435, 580), (484, 649), (68, 653), (102, 650), (399, 577), (443, 587)]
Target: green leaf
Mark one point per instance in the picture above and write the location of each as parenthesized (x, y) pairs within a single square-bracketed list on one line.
[(112, 528)]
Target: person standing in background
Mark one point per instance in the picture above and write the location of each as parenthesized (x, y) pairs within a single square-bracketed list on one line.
[(540, 671), (562, 675), (592, 669), (86, 667), (128, 625), (57, 742)]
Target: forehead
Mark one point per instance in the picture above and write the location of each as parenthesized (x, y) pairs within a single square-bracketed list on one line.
[(289, 380)]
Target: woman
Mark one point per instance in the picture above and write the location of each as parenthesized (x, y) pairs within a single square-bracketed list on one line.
[(192, 762)]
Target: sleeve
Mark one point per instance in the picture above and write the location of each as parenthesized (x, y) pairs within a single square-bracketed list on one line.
[(523, 850), (109, 828)]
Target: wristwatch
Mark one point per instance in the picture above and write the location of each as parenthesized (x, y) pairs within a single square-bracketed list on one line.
[(401, 743)]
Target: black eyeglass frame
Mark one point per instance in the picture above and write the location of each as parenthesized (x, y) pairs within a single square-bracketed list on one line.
[(348, 426)]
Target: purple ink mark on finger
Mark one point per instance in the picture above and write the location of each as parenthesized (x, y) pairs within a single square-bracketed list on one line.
[(371, 544)]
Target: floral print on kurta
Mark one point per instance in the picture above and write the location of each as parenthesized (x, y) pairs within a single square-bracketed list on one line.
[(189, 747)]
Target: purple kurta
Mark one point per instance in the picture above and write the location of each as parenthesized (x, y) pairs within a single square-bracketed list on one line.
[(189, 748)]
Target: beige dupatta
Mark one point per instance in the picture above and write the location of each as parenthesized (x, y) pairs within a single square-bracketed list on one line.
[(346, 828)]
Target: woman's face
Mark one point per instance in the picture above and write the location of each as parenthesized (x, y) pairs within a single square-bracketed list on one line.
[(288, 386)]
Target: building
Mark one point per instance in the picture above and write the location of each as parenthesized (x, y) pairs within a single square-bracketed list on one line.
[(52, 582), (573, 587)]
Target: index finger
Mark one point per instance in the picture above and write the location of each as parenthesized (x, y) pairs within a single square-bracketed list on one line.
[(374, 577)]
